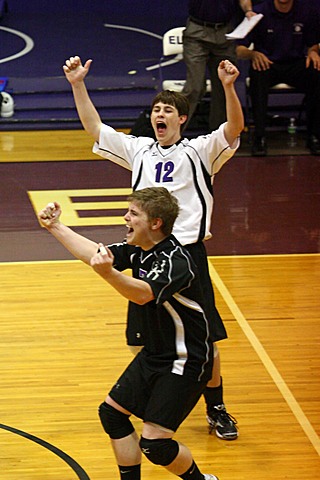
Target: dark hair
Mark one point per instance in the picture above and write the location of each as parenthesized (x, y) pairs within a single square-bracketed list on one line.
[(176, 99), (157, 202)]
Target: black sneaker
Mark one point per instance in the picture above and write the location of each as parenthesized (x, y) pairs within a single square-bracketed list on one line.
[(222, 422), (259, 147)]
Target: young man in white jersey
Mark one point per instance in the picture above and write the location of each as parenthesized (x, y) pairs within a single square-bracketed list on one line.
[(187, 169)]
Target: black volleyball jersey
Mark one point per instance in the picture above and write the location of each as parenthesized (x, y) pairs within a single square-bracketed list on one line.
[(177, 334)]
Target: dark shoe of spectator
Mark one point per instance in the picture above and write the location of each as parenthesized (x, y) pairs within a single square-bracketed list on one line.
[(259, 147), (313, 144)]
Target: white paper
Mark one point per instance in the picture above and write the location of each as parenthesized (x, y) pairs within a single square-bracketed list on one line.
[(244, 27)]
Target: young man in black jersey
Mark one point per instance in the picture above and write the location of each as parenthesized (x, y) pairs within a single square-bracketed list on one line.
[(167, 377), (187, 169)]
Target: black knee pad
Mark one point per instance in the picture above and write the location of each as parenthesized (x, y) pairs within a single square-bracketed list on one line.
[(116, 424), (161, 451)]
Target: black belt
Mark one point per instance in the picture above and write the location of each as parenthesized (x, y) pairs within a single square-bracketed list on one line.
[(208, 24)]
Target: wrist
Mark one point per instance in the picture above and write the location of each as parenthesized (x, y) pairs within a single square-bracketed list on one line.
[(53, 226)]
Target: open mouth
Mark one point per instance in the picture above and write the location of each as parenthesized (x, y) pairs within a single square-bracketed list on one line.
[(130, 229), (161, 127)]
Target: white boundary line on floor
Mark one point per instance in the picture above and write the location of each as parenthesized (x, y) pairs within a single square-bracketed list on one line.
[(265, 359)]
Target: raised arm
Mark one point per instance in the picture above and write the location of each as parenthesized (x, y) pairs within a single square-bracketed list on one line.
[(75, 73), (228, 74), (96, 255), (79, 246)]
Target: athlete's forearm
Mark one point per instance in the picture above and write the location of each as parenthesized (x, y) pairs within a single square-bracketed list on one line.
[(80, 247), (133, 289), (235, 119), (87, 112)]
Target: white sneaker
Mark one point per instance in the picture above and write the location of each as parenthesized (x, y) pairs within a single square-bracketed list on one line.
[(7, 105), (208, 476)]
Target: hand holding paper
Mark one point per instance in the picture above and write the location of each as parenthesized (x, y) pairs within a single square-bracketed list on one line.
[(244, 27)]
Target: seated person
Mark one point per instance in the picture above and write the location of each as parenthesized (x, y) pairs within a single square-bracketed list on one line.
[(286, 49)]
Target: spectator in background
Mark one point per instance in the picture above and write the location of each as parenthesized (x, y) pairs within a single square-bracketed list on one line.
[(204, 46), (286, 49)]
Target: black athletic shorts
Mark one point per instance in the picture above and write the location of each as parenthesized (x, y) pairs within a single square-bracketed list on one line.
[(159, 397), (134, 331)]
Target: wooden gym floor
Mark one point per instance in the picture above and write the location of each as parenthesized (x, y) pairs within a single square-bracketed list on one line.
[(62, 328)]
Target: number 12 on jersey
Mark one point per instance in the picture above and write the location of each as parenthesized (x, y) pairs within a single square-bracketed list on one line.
[(164, 172)]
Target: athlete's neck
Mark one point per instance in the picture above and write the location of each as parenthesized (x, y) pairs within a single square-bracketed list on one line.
[(169, 146)]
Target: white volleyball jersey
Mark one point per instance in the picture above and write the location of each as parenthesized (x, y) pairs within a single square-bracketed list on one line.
[(186, 169)]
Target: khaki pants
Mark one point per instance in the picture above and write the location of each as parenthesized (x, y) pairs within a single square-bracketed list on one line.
[(204, 48)]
